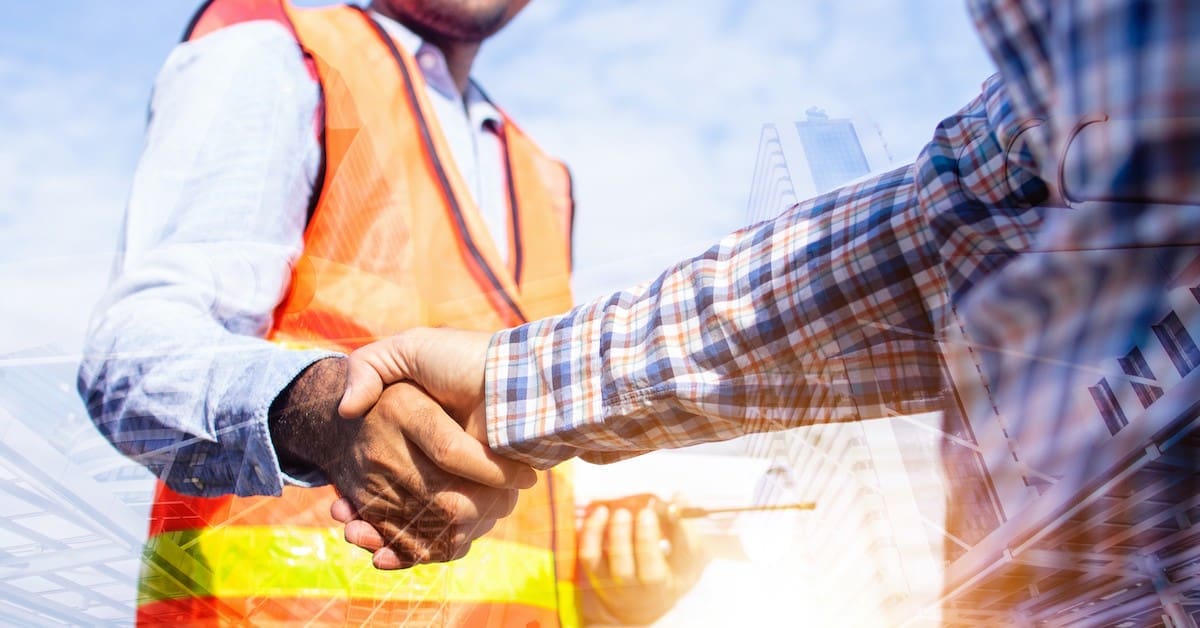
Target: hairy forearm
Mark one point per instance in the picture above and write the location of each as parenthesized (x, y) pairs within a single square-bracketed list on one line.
[(171, 388)]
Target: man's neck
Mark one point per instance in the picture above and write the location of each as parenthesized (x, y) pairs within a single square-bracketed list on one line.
[(459, 57), (459, 54)]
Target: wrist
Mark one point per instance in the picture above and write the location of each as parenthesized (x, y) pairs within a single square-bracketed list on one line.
[(303, 420)]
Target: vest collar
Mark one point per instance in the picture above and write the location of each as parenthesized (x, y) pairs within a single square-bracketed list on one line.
[(436, 73)]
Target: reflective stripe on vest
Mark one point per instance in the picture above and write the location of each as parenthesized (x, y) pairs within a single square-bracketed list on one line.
[(319, 563), (340, 611), (392, 242)]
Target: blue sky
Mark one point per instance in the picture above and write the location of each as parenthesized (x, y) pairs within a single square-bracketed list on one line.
[(656, 104)]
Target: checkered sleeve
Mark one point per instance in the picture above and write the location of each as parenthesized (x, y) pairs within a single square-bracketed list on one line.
[(1118, 87), (1117, 84), (829, 312)]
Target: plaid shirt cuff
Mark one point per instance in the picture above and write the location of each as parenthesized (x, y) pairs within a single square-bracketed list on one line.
[(528, 402)]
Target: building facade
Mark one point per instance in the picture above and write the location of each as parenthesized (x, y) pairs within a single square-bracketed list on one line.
[(1085, 516)]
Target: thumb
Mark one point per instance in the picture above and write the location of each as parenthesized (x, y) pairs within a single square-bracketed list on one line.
[(371, 367), (364, 384), (689, 555)]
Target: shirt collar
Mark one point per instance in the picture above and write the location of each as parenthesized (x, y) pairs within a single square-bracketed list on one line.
[(436, 72)]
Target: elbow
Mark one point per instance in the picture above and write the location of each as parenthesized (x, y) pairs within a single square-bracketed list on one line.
[(132, 431)]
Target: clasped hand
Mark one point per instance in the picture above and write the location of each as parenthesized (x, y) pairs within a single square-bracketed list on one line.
[(634, 560), (417, 480)]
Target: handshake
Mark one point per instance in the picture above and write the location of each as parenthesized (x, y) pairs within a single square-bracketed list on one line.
[(419, 483), (417, 480), (422, 482)]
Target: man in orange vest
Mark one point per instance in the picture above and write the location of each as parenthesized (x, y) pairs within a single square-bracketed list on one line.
[(314, 179)]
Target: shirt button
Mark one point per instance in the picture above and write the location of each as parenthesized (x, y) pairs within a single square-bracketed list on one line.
[(428, 62)]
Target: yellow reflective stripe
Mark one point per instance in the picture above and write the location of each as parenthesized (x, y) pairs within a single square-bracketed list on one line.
[(280, 561), (569, 615), (294, 345), (300, 345)]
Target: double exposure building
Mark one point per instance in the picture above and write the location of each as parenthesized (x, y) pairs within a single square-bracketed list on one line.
[(1085, 516)]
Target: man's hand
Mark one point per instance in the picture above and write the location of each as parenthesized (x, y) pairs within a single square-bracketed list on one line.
[(447, 363), (368, 537), (407, 468), (631, 575)]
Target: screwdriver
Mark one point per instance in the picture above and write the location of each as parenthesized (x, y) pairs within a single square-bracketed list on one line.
[(693, 512), (674, 511), (718, 544)]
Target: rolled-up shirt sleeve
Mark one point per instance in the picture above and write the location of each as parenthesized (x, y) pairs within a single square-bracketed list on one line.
[(175, 371)]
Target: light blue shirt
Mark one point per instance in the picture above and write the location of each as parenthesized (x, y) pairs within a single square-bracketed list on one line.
[(175, 371)]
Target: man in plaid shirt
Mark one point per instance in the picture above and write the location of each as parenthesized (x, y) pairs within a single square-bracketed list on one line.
[(1036, 264)]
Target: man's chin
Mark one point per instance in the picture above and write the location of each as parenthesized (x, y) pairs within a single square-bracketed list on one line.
[(465, 31), (449, 21)]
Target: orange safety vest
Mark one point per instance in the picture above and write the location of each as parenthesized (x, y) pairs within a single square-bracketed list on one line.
[(393, 241)]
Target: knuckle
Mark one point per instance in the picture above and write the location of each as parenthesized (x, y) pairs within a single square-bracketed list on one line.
[(439, 549), (411, 550), (422, 555), (425, 524), (410, 480), (444, 449)]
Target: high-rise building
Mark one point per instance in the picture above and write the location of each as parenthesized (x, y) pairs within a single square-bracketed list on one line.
[(1089, 515), (835, 153), (798, 160)]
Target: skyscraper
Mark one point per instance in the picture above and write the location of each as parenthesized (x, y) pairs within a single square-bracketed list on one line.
[(1088, 515), (835, 154), (798, 160)]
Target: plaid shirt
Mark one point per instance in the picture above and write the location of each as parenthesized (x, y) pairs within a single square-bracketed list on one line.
[(840, 308)]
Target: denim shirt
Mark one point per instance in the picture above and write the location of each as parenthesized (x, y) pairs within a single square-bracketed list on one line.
[(175, 372)]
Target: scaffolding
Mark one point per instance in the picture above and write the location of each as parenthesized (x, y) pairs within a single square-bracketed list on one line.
[(73, 512)]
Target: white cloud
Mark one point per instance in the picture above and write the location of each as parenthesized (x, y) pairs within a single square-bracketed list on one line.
[(71, 140), (658, 105)]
